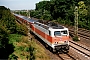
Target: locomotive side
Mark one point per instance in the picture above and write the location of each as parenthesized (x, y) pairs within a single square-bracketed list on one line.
[(54, 35)]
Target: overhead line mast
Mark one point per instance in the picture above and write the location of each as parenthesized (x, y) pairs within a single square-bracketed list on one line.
[(28, 14), (76, 21)]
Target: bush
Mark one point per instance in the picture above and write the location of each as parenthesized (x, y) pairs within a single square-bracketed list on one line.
[(13, 57), (32, 53), (21, 29), (75, 38), (14, 38)]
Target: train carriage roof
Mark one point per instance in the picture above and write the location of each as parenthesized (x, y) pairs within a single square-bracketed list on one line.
[(31, 20), (18, 15), (26, 18), (43, 23)]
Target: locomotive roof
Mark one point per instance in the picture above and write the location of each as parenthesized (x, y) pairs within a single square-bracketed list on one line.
[(19, 15), (47, 25)]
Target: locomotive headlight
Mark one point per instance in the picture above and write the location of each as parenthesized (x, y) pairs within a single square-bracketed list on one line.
[(55, 43), (65, 41)]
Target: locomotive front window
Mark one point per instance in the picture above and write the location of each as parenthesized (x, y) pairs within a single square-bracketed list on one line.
[(60, 33), (57, 33), (64, 32)]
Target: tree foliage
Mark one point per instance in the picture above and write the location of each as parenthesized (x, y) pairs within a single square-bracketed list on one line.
[(3, 36), (8, 26), (5, 47), (7, 19), (82, 11), (64, 9), (21, 29)]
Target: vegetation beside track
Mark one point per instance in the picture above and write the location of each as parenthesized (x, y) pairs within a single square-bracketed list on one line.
[(26, 50), (8, 26), (14, 42)]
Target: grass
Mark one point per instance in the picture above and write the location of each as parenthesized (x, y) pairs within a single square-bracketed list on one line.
[(39, 52), (26, 50)]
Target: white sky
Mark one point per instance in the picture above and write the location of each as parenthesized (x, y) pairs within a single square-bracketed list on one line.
[(19, 4)]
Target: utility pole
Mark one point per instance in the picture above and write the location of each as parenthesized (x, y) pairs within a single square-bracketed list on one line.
[(76, 20), (19, 12), (28, 14)]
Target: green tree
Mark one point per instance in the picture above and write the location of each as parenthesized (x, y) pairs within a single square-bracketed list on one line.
[(43, 9), (7, 19), (82, 9)]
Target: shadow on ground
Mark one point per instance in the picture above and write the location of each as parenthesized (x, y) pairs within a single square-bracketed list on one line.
[(6, 50)]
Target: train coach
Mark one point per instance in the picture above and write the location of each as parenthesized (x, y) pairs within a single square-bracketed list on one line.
[(54, 35)]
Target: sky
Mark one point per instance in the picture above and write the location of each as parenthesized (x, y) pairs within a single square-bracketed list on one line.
[(19, 4)]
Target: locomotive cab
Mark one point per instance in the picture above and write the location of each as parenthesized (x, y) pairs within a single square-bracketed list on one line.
[(60, 39)]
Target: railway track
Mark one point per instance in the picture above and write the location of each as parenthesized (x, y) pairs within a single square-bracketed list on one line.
[(85, 33), (84, 36), (79, 45), (81, 50), (81, 32), (66, 56)]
